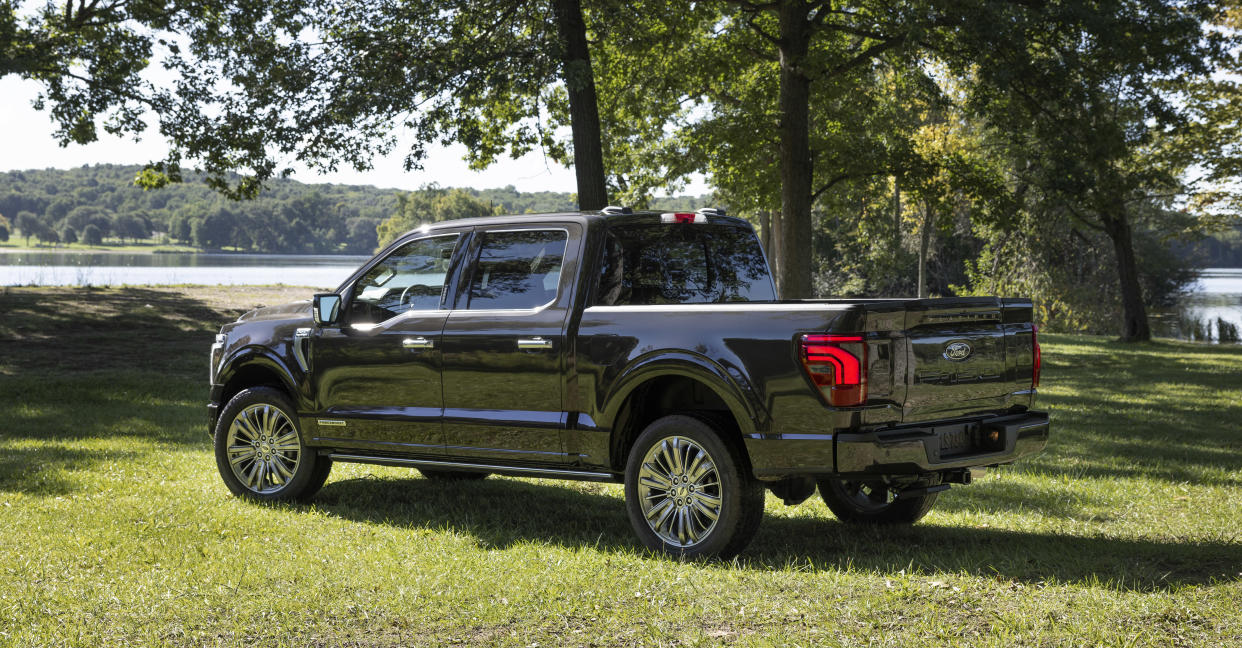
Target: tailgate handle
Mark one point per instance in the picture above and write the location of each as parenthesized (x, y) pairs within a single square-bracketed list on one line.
[(534, 343)]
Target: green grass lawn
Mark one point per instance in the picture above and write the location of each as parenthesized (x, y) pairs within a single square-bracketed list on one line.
[(1126, 531)]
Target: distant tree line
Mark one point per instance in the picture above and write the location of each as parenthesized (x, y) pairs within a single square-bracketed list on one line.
[(94, 204)]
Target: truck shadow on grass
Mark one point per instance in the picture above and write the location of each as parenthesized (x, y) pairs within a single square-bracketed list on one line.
[(500, 513)]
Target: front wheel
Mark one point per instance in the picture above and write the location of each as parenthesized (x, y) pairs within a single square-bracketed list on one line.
[(260, 452), (689, 492), (873, 501)]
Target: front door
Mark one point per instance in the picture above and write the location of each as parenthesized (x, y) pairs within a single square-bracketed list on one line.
[(504, 347), (377, 376)]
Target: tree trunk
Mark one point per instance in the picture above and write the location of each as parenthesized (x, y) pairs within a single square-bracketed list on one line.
[(1134, 325), (924, 243), (774, 250), (896, 215), (794, 244), (765, 232), (583, 110)]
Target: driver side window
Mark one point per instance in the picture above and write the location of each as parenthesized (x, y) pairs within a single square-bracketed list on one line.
[(411, 278)]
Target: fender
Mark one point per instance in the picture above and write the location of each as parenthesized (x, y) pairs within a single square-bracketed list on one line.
[(742, 403), (254, 355)]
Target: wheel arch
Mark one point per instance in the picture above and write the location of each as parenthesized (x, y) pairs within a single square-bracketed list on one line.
[(672, 384), (253, 367)]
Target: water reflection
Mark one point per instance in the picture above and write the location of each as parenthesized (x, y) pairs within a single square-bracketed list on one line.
[(101, 269), (1212, 308)]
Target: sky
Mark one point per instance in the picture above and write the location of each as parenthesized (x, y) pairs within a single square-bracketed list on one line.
[(26, 142)]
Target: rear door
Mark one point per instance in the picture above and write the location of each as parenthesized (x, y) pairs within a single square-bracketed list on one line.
[(966, 356), (504, 345)]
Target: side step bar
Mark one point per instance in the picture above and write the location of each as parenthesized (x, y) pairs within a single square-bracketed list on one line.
[(515, 471)]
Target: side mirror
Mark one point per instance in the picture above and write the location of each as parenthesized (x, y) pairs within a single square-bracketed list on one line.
[(327, 308)]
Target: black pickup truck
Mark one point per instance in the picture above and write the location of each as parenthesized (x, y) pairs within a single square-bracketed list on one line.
[(643, 348)]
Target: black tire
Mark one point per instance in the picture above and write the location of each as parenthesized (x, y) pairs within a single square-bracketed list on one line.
[(452, 475), (678, 522), (258, 430), (872, 502)]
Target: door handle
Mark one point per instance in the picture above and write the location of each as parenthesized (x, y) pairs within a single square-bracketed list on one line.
[(417, 343), (534, 343)]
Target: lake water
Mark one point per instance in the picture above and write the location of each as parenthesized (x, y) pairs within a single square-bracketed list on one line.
[(1216, 295), (113, 269)]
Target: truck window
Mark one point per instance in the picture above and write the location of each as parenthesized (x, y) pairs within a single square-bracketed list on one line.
[(517, 269), (682, 264), (411, 278)]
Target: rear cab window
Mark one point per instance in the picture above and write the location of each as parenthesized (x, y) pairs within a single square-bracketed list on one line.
[(659, 263), (517, 269)]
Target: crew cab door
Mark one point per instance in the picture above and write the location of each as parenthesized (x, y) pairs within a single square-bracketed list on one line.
[(377, 376), (504, 345)]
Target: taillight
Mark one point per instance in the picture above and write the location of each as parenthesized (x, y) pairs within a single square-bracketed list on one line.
[(1038, 356), (837, 364)]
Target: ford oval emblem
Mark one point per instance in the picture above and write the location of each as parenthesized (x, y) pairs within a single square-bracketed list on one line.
[(957, 351)]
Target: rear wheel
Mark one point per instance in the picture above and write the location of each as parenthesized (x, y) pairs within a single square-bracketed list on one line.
[(260, 451), (689, 492), (872, 501)]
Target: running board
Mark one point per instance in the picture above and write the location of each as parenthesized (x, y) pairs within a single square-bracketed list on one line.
[(516, 471)]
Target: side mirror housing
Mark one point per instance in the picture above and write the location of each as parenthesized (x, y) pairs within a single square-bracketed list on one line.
[(327, 309)]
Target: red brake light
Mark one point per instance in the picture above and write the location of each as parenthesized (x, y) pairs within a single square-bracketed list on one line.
[(680, 217), (837, 364), (1038, 356)]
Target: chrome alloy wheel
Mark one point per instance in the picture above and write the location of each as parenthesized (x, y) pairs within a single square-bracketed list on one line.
[(263, 448), (679, 491)]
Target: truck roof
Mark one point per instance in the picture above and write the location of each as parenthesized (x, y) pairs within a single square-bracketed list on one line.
[(647, 216)]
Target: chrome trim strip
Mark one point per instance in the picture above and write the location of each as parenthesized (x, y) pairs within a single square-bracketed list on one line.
[(431, 463)]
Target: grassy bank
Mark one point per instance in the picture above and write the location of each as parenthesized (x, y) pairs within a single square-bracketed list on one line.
[(1125, 532), (14, 245)]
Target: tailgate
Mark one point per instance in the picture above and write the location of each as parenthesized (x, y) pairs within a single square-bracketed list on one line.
[(967, 356)]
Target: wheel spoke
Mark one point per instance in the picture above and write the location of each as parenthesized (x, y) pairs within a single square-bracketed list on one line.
[(667, 451), (705, 469), (240, 454), (707, 511), (708, 499), (282, 468), (652, 478)]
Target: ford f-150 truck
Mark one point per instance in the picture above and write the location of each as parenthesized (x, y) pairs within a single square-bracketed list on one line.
[(643, 348)]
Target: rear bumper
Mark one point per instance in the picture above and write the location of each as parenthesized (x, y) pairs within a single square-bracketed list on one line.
[(928, 447)]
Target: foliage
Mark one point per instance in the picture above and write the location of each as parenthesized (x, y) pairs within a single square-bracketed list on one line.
[(287, 217), (432, 204), (92, 235)]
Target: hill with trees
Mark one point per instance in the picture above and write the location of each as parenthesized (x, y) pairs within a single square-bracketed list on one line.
[(89, 204)]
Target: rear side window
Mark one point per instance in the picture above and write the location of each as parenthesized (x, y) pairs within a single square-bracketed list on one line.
[(517, 269), (682, 264)]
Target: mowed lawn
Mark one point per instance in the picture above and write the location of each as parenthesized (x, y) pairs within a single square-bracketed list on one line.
[(116, 530)]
